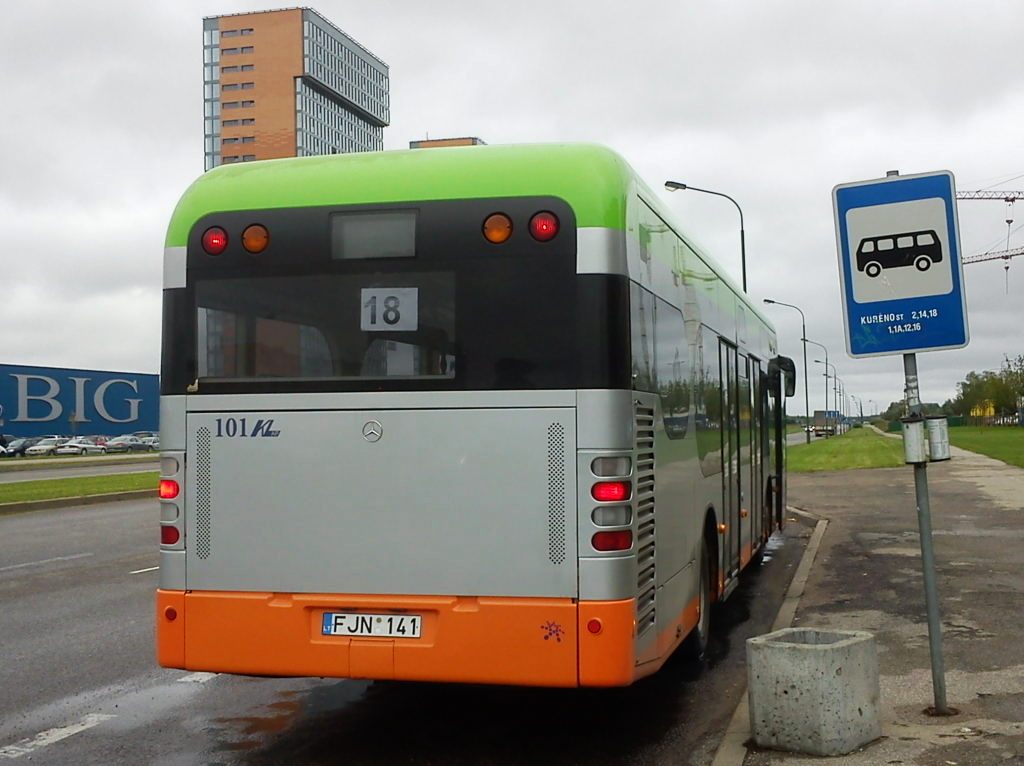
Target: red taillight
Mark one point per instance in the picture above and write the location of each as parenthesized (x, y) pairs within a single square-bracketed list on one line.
[(169, 535), (544, 226), (594, 626), (215, 240), (168, 489), (621, 540), (611, 491)]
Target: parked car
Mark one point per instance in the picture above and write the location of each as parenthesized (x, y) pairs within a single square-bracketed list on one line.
[(127, 443), (47, 446), (82, 445), (145, 434), (17, 447), (152, 441)]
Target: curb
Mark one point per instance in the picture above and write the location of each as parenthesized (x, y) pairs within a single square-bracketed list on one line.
[(69, 502), (733, 749)]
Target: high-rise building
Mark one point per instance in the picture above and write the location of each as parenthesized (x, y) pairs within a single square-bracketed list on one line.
[(288, 83), (437, 143)]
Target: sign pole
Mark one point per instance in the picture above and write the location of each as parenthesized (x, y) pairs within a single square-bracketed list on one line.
[(924, 522), (901, 273)]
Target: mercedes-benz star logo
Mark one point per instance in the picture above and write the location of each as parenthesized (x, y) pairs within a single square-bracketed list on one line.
[(372, 431)]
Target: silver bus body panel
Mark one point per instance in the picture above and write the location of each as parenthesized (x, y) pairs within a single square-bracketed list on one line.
[(469, 502), (604, 420), (172, 423), (172, 569), (600, 251), (174, 267)]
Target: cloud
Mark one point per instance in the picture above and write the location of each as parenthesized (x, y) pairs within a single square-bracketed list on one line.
[(773, 103)]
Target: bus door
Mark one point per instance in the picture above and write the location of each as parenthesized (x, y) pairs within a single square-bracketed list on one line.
[(730, 461), (756, 454), (746, 463), (765, 451)]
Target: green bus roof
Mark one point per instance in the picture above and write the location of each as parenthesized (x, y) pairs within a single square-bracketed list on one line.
[(594, 180)]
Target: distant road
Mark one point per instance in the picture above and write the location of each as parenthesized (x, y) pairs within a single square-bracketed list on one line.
[(797, 437), (17, 469), (10, 477)]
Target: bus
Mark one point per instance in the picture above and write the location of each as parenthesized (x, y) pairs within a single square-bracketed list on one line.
[(918, 248), (480, 414)]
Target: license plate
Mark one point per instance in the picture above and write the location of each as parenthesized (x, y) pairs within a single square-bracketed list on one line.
[(380, 625)]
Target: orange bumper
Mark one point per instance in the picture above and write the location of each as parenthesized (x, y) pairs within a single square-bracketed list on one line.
[(522, 641)]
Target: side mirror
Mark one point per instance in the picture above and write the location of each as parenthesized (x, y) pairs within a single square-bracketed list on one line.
[(782, 371)]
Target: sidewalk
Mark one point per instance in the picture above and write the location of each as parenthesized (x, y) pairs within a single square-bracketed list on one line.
[(867, 576)]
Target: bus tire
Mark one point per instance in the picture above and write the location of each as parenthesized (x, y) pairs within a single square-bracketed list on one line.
[(873, 269), (696, 643), (922, 263)]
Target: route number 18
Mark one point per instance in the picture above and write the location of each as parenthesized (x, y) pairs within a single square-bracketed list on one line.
[(389, 308)]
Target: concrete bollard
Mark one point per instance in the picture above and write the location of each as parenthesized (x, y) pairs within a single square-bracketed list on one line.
[(813, 691)]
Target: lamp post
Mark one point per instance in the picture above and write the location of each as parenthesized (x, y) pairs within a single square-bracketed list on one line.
[(675, 185), (840, 391), (803, 337), (823, 348), (835, 389)]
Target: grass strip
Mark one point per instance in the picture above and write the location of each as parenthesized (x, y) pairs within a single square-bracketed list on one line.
[(80, 486), (1004, 443), (857, 448)]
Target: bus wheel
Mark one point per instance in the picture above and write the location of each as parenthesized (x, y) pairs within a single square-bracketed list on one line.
[(697, 642), (873, 269), (923, 263)]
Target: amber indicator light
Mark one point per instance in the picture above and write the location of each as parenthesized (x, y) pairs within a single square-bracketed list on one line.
[(497, 228), (255, 238)]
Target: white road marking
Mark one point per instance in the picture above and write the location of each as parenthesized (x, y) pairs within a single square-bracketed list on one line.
[(50, 736), (197, 678), (45, 561), (147, 569)]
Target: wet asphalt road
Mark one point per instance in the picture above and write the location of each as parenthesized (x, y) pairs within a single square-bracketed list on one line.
[(78, 682)]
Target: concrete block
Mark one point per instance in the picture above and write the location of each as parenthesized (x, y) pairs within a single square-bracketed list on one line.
[(813, 691)]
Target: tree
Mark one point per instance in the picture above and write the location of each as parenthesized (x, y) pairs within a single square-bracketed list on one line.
[(895, 411)]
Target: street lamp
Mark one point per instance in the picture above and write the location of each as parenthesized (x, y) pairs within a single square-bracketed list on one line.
[(803, 337), (675, 185), (823, 348), (835, 389)]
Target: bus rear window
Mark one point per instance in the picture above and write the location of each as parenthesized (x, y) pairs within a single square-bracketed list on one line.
[(327, 326)]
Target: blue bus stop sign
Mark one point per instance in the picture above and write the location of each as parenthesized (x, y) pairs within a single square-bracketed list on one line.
[(900, 265)]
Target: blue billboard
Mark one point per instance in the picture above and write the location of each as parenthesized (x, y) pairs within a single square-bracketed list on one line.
[(35, 401)]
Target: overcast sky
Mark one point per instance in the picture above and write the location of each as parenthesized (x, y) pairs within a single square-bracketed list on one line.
[(771, 102)]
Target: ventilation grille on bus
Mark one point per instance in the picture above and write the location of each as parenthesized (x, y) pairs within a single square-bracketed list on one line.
[(646, 581), (203, 493), (556, 493)]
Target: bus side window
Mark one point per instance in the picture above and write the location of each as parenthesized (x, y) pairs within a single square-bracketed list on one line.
[(672, 371), (925, 239), (886, 244), (905, 242), (641, 320), (708, 401)]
